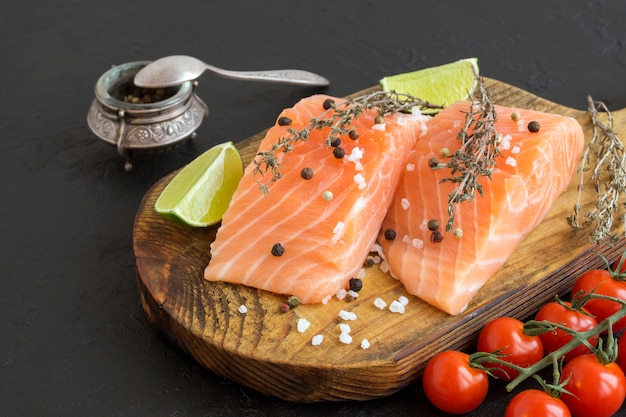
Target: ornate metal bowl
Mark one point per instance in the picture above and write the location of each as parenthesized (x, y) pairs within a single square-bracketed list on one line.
[(134, 119)]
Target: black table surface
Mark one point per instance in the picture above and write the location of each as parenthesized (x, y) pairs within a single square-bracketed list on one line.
[(73, 336)]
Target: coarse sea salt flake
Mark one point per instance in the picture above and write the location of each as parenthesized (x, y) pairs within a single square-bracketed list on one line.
[(396, 307), (345, 338), (359, 179), (405, 204), (380, 303), (417, 243), (353, 294), (326, 299), (410, 167), (341, 294), (338, 231), (516, 149), (379, 126), (403, 300), (406, 239), (384, 267), (347, 315), (345, 328), (303, 324), (365, 344), (317, 340), (511, 161), (242, 309), (361, 273)]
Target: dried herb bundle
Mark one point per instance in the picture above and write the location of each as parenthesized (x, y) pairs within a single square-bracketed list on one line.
[(477, 155), (338, 119), (608, 174)]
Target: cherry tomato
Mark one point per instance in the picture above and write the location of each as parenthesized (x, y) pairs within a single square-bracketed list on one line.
[(621, 349), (603, 283), (505, 334), (595, 390), (452, 385), (536, 403), (560, 314)]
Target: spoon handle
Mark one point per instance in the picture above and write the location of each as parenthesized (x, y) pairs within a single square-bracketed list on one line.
[(287, 76)]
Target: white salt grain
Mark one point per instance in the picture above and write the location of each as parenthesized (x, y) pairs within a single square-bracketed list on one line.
[(326, 299), (345, 328), (410, 167), (345, 338), (510, 161), (317, 340), (353, 294), (384, 267), (405, 204), (403, 300), (365, 344), (338, 231), (379, 126), (303, 324), (341, 294), (380, 303), (359, 179), (361, 273), (417, 243), (347, 315), (242, 309), (516, 149), (396, 307)]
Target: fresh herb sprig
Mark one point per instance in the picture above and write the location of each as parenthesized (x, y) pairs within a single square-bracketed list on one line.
[(606, 159), (338, 119), (476, 158)]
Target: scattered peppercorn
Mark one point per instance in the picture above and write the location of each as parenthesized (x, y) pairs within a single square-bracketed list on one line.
[(353, 134), (433, 224), (533, 126), (458, 232), (284, 121), (327, 195), (436, 236), (379, 120), (369, 261), (444, 152), (356, 284), (328, 103), (433, 162), (334, 142), (277, 249), (284, 307), (306, 173), (339, 152), (293, 301), (515, 116), (390, 234)]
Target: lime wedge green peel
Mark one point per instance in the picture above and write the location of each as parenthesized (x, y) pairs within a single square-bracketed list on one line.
[(443, 85), (201, 191)]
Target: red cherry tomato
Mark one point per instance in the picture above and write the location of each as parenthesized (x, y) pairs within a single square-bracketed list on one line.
[(621, 349), (560, 314), (595, 390), (505, 334), (600, 281), (536, 403), (452, 385)]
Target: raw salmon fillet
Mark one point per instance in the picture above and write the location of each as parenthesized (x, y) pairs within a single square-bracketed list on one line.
[(325, 242), (534, 169)]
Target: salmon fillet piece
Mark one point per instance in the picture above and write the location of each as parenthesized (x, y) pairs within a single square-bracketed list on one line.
[(325, 241), (534, 169)]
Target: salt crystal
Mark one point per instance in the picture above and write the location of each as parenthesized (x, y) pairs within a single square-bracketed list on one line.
[(355, 155), (380, 303), (341, 294), (338, 231), (344, 328), (365, 344), (361, 274), (406, 239), (242, 309), (403, 300), (376, 248), (417, 243), (359, 179), (347, 315), (379, 126), (404, 203), (358, 166), (377, 259), (352, 294), (410, 167), (510, 161), (456, 123), (303, 324), (416, 111), (345, 338), (396, 307), (384, 267), (317, 340), (326, 299), (516, 149)]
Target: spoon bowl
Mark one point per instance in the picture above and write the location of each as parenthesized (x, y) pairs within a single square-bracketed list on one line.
[(177, 69)]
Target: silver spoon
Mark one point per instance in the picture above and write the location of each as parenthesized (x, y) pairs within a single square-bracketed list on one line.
[(176, 69)]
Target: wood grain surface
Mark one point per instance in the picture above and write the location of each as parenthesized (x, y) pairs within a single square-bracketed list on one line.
[(262, 349)]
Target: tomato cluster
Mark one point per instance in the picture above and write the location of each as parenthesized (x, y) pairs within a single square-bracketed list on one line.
[(579, 334)]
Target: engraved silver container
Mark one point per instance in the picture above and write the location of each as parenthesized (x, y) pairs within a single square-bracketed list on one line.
[(142, 126)]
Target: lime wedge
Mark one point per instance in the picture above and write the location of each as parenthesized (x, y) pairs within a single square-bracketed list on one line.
[(443, 85), (201, 192)]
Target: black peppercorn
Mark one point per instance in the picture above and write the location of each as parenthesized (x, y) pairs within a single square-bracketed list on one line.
[(356, 284), (277, 249), (436, 236), (353, 134), (284, 121), (390, 234), (433, 162), (433, 225), (306, 173), (334, 142), (328, 103), (379, 120), (339, 152), (533, 126)]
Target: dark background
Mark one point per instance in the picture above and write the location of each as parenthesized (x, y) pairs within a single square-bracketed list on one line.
[(73, 337)]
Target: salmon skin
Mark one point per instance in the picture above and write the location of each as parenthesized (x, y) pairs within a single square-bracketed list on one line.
[(323, 240), (533, 170)]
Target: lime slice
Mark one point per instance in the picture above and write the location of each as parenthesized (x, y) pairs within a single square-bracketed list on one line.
[(442, 85), (201, 192)]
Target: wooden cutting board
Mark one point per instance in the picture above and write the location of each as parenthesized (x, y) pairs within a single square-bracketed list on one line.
[(262, 348)]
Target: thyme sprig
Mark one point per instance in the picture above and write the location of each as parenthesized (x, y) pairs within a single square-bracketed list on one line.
[(338, 119), (608, 174), (477, 155)]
